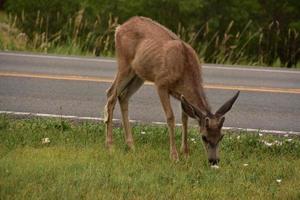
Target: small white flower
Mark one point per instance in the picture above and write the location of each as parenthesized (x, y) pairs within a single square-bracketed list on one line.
[(267, 143), (260, 134), (45, 140), (193, 140), (238, 137), (143, 132), (215, 166), (245, 164), (286, 135), (278, 180), (289, 140), (278, 143)]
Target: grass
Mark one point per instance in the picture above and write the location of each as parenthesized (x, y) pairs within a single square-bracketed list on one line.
[(82, 36), (74, 37), (75, 164)]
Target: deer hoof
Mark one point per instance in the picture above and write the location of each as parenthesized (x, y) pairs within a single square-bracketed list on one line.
[(130, 145), (109, 145), (174, 156), (185, 151)]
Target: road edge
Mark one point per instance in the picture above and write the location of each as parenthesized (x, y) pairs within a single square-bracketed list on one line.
[(82, 118)]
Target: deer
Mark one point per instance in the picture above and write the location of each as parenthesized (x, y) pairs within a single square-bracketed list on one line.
[(148, 51)]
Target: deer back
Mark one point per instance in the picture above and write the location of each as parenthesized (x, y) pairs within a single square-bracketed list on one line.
[(129, 35)]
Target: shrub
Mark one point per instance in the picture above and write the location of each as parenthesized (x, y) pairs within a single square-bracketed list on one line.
[(243, 32), (38, 16)]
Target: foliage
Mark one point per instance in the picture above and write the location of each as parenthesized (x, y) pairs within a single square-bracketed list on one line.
[(75, 164), (237, 32), (42, 16)]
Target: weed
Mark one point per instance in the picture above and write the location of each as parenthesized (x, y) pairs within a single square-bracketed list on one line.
[(81, 35), (74, 163)]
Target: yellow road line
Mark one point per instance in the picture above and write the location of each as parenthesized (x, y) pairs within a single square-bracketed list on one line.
[(109, 80)]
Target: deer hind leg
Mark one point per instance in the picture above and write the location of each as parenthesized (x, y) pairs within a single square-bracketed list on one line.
[(120, 82), (165, 101), (123, 97), (184, 145), (108, 113)]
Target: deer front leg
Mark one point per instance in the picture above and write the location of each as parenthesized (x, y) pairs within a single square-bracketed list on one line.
[(165, 101), (184, 144), (124, 96)]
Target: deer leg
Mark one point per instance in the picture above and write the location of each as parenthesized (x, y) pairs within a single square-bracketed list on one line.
[(184, 145), (165, 101), (132, 87), (120, 82), (108, 113)]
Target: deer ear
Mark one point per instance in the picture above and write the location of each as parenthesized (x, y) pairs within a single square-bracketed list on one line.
[(227, 106), (191, 110)]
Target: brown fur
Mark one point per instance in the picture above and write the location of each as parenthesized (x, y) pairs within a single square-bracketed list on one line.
[(147, 51)]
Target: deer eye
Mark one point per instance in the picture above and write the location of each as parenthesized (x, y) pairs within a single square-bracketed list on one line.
[(204, 138)]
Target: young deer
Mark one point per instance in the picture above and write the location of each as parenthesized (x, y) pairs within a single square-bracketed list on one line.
[(147, 51)]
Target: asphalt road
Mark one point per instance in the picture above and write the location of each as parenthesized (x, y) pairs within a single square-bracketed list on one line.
[(269, 99)]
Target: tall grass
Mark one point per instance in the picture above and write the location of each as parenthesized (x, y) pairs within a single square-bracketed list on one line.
[(82, 35), (74, 164), (249, 46), (77, 35)]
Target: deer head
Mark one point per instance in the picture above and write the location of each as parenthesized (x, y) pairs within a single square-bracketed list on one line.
[(210, 125)]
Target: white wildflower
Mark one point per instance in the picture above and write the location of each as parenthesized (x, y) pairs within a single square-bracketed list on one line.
[(278, 180), (238, 137), (45, 140), (267, 143), (277, 143), (193, 140), (143, 132), (289, 140), (260, 134), (245, 164), (286, 135)]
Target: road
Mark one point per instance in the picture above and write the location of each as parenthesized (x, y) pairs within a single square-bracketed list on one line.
[(269, 99)]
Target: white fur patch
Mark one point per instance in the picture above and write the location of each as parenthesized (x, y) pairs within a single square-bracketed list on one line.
[(105, 114)]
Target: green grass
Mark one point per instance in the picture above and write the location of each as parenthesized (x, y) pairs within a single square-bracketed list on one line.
[(76, 165)]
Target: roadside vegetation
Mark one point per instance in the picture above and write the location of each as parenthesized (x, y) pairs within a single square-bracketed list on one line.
[(54, 159), (250, 32)]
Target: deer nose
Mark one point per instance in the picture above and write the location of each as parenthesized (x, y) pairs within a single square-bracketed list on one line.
[(214, 161)]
